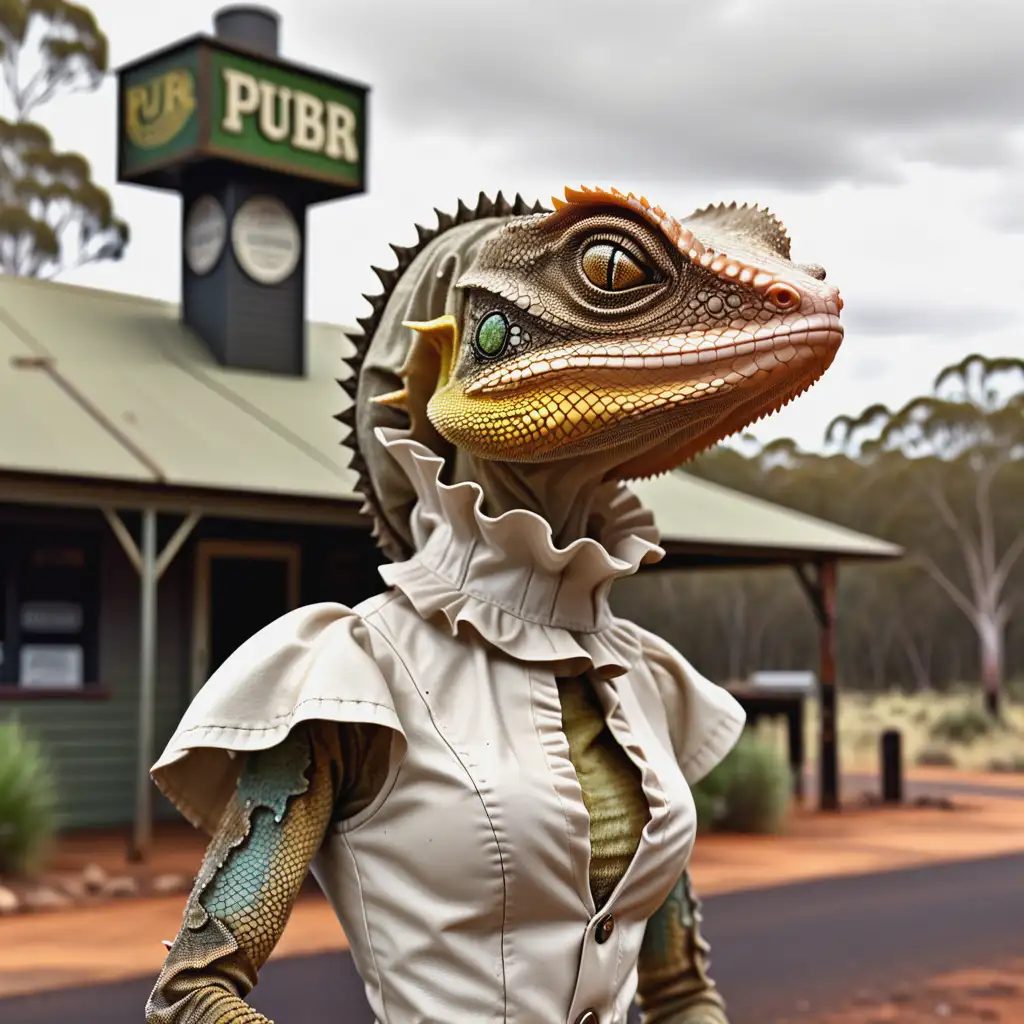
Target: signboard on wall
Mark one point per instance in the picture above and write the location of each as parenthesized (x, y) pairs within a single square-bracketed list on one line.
[(52, 666), (51, 617), (207, 99)]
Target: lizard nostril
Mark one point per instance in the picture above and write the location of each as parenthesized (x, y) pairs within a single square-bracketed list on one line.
[(784, 296)]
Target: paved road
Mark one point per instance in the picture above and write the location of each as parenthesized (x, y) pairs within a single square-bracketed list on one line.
[(815, 941)]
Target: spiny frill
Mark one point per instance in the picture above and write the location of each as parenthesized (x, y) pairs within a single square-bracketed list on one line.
[(485, 208)]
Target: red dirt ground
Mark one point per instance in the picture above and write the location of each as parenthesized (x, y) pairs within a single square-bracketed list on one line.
[(121, 939), (994, 995)]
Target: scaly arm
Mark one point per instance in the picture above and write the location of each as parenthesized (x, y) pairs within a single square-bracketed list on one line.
[(674, 986), (249, 881)]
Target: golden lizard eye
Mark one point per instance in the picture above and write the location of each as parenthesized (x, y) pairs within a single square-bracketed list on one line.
[(613, 269)]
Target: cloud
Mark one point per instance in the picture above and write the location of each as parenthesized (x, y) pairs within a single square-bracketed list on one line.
[(880, 133), (1002, 206), (915, 317), (795, 93)]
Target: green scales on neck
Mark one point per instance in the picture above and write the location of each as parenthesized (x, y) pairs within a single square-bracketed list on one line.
[(249, 141)]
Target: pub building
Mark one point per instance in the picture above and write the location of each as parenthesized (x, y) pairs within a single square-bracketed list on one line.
[(172, 477)]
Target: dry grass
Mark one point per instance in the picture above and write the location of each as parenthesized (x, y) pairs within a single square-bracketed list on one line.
[(863, 718)]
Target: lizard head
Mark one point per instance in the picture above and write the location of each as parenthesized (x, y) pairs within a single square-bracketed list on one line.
[(610, 326)]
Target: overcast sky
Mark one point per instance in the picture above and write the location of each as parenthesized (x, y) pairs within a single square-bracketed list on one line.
[(889, 137)]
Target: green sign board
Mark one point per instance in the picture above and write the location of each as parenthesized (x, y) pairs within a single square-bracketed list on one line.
[(204, 99), (159, 116)]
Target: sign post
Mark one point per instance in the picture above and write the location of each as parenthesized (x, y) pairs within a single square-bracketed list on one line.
[(250, 141)]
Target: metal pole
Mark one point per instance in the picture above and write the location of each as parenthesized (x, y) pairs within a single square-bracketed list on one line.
[(828, 788), (147, 688)]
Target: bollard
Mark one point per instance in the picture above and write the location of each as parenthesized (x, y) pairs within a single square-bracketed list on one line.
[(892, 767)]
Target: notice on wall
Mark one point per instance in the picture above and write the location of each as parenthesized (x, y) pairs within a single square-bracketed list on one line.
[(52, 666), (51, 617)]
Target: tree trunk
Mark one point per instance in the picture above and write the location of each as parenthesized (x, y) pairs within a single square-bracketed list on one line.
[(990, 640), (918, 669)]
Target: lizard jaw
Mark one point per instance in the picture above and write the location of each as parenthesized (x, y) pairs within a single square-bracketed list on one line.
[(674, 398)]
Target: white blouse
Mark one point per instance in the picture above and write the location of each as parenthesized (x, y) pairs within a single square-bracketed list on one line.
[(463, 889)]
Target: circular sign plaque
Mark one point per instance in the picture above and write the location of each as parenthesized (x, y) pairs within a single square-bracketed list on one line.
[(266, 240), (206, 231)]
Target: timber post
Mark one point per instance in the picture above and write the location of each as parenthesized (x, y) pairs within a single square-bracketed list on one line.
[(821, 591), (828, 794)]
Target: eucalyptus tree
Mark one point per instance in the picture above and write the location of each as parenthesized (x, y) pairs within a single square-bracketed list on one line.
[(956, 454), (53, 216)]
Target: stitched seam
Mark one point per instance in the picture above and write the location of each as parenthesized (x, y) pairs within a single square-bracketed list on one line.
[(483, 804), (278, 719), (366, 927), (526, 591), (467, 563)]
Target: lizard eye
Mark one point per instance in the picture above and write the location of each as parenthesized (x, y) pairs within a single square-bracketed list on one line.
[(492, 336), (612, 268)]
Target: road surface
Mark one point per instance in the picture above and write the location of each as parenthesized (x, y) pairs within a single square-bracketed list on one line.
[(815, 942)]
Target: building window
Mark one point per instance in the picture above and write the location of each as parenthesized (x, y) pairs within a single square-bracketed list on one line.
[(48, 610)]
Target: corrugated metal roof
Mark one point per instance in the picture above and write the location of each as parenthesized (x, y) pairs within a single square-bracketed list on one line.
[(698, 513), (109, 386), (177, 415)]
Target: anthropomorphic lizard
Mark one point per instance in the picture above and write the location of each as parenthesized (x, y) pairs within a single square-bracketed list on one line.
[(487, 771)]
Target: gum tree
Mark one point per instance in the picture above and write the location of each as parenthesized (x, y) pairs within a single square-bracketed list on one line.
[(53, 216), (952, 455)]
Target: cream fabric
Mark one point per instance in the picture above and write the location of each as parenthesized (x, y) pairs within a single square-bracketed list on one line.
[(464, 889)]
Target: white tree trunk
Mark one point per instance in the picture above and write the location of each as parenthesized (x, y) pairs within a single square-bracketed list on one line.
[(990, 643)]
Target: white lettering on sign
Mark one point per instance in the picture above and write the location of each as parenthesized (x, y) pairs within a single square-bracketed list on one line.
[(309, 131), (274, 119), (242, 99), (305, 121), (341, 134)]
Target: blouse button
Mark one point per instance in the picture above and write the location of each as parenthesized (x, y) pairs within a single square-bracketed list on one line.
[(604, 929), (587, 1017)]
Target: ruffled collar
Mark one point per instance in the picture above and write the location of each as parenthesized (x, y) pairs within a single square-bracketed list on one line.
[(503, 577)]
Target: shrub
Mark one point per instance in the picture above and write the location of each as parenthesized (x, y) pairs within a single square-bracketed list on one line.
[(962, 725), (935, 757), (28, 800), (710, 797), (749, 791)]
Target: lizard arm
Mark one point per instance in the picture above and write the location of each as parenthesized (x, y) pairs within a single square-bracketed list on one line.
[(673, 985), (249, 880)]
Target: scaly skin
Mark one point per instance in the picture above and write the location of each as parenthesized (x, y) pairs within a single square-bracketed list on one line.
[(610, 326), (612, 789), (674, 984), (249, 881)]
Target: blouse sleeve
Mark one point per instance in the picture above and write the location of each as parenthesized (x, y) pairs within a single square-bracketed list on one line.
[(704, 719), (316, 663)]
